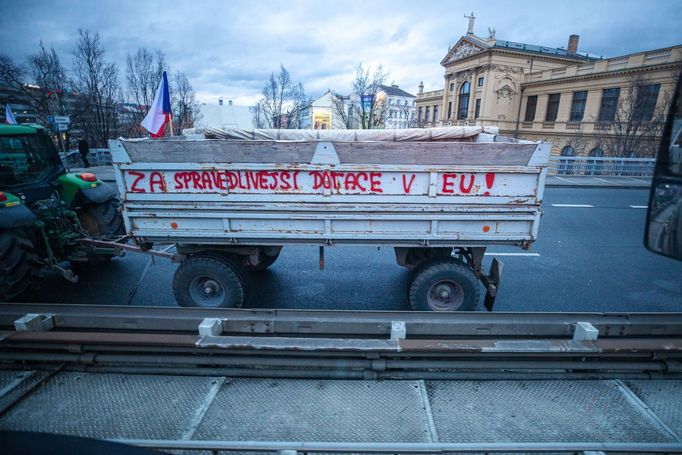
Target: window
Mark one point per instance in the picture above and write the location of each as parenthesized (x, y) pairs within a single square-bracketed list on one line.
[(419, 115), (597, 152), (531, 104), (609, 104), (480, 82), (452, 86), (578, 106), (450, 109), (478, 108), (552, 107), (435, 114), (25, 159), (427, 117), (463, 110), (645, 104), (568, 151)]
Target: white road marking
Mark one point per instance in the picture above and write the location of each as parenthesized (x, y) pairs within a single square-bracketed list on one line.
[(639, 206), (634, 179), (640, 180), (566, 180), (606, 181), (512, 254), (574, 205)]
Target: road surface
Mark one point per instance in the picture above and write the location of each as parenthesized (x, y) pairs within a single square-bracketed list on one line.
[(589, 257)]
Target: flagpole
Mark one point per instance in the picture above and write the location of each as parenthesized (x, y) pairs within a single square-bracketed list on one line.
[(170, 123)]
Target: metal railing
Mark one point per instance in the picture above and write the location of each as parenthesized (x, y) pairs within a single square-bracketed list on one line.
[(584, 165), (96, 157)]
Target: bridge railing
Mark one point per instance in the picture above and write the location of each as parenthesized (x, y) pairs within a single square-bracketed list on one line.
[(584, 165)]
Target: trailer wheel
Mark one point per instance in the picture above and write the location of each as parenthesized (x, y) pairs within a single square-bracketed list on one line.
[(444, 285), (209, 281), (19, 266), (265, 262)]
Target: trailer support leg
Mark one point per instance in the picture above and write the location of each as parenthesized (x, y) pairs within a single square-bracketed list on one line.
[(492, 283)]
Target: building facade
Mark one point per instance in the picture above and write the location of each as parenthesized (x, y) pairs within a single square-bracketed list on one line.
[(580, 103), (399, 107)]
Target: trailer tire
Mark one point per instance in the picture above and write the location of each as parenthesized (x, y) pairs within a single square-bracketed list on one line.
[(265, 262), (209, 281), (444, 285), (19, 266)]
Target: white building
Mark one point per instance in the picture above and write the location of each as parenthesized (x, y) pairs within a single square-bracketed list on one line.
[(224, 115), (400, 107), (325, 112)]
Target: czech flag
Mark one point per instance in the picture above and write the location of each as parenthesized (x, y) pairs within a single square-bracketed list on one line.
[(9, 116), (160, 112)]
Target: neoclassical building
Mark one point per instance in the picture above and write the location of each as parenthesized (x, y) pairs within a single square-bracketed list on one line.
[(581, 103)]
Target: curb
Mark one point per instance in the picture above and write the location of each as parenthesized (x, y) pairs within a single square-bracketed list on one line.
[(620, 187)]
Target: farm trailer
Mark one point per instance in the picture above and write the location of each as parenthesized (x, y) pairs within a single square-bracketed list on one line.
[(231, 199)]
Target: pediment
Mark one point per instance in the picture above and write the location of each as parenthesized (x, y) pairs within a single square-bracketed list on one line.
[(464, 48)]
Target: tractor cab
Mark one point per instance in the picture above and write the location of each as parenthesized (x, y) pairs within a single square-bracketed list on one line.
[(29, 162)]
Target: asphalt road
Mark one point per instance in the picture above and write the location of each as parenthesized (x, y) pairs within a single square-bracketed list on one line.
[(586, 259)]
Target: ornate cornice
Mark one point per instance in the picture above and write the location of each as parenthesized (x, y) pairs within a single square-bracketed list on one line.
[(623, 71)]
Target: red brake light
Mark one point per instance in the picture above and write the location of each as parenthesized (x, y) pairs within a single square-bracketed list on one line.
[(3, 198), (88, 177)]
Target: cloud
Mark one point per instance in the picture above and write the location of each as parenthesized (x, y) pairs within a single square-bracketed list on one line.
[(228, 49)]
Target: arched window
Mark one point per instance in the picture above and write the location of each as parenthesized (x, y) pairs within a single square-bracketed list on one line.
[(597, 152), (568, 151), (463, 100)]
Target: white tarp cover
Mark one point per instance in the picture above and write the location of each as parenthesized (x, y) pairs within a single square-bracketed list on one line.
[(452, 133)]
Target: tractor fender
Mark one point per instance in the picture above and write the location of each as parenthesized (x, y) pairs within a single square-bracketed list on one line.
[(16, 216)]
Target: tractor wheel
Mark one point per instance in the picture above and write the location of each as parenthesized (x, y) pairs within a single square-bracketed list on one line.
[(103, 219), (19, 266)]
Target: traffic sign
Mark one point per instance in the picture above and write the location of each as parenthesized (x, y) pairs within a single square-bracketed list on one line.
[(59, 119), (62, 126)]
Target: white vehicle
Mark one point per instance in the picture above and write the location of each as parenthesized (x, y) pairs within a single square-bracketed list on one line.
[(230, 200)]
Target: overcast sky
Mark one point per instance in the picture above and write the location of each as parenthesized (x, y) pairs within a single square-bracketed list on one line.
[(227, 49)]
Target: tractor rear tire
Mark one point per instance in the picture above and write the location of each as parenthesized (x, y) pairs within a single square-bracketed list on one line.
[(19, 266)]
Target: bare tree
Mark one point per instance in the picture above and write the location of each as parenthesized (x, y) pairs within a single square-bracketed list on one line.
[(143, 73), (372, 102), (283, 104), (343, 108), (638, 120), (408, 113), (96, 82), (11, 74), (51, 85), (184, 103)]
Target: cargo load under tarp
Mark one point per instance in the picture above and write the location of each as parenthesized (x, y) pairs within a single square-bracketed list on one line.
[(461, 134)]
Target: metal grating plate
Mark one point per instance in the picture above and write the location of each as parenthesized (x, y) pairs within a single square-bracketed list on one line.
[(316, 410), (538, 411), (664, 398), (14, 384), (111, 406)]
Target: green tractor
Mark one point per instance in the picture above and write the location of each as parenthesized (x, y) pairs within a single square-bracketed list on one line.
[(46, 214)]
